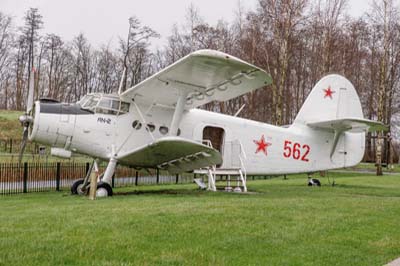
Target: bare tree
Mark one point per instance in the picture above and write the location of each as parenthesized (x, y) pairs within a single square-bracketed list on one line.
[(6, 40), (30, 35), (135, 51)]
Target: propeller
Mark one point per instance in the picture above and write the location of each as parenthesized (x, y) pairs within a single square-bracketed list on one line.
[(122, 82), (26, 119)]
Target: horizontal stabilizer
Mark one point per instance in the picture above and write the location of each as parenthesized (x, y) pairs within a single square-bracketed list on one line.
[(174, 154), (349, 124)]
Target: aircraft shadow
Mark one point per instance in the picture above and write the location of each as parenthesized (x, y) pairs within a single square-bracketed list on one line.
[(161, 192)]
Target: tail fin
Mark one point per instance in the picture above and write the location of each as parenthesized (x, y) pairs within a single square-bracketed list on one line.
[(333, 97), (333, 106)]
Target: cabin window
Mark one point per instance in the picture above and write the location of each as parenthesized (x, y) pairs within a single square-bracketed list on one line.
[(136, 125), (150, 127), (163, 130)]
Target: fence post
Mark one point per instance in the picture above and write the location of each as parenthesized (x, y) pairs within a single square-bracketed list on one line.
[(58, 176), (25, 177), (177, 179), (11, 144), (136, 177), (158, 175)]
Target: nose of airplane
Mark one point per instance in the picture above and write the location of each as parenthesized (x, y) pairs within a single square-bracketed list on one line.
[(34, 121)]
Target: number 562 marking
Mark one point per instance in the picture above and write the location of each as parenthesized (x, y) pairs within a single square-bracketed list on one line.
[(296, 151)]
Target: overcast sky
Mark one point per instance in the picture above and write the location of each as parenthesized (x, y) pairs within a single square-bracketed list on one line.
[(102, 21)]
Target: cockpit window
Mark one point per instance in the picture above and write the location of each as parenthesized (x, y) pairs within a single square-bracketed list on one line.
[(92, 102), (124, 107), (104, 104), (84, 100), (115, 104)]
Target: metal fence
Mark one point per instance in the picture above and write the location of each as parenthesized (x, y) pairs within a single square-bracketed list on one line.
[(12, 146), (33, 177)]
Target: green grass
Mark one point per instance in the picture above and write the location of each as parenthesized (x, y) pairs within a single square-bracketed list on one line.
[(9, 124), (10, 128), (371, 166), (283, 223)]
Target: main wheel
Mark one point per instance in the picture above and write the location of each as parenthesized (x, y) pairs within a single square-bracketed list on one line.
[(77, 187), (103, 190)]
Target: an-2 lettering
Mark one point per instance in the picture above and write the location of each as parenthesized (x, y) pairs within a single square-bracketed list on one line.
[(296, 151), (104, 120)]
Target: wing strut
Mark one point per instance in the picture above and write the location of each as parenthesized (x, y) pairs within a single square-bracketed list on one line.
[(143, 120), (176, 119)]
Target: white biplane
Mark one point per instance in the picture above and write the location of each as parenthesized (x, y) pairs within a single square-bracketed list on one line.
[(156, 124)]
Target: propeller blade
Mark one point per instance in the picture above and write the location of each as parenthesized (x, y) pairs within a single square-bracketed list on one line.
[(23, 144), (29, 101), (121, 82)]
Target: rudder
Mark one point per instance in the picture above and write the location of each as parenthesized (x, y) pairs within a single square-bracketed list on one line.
[(333, 97)]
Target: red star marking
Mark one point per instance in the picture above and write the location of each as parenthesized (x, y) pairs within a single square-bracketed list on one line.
[(262, 145), (328, 92)]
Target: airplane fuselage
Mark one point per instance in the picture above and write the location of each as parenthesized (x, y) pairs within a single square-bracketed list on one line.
[(260, 147)]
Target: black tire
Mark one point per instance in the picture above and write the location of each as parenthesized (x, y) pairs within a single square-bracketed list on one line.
[(314, 182), (75, 186), (106, 188)]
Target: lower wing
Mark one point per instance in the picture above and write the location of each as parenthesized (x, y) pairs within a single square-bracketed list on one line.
[(174, 154)]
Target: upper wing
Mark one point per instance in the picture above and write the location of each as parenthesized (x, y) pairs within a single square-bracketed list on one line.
[(205, 76), (173, 154), (350, 124)]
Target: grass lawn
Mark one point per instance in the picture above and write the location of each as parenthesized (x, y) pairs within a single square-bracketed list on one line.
[(10, 128), (371, 166), (9, 124), (283, 223)]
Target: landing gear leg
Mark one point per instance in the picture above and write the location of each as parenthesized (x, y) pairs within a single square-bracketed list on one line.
[(81, 186), (104, 188), (108, 174)]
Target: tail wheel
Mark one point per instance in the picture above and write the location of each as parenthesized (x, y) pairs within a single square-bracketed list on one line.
[(103, 190), (77, 187), (314, 182)]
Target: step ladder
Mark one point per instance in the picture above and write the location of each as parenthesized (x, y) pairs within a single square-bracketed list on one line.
[(236, 185), (232, 167)]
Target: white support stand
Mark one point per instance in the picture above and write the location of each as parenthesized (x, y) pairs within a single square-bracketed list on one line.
[(228, 185), (211, 179), (94, 173), (243, 179)]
